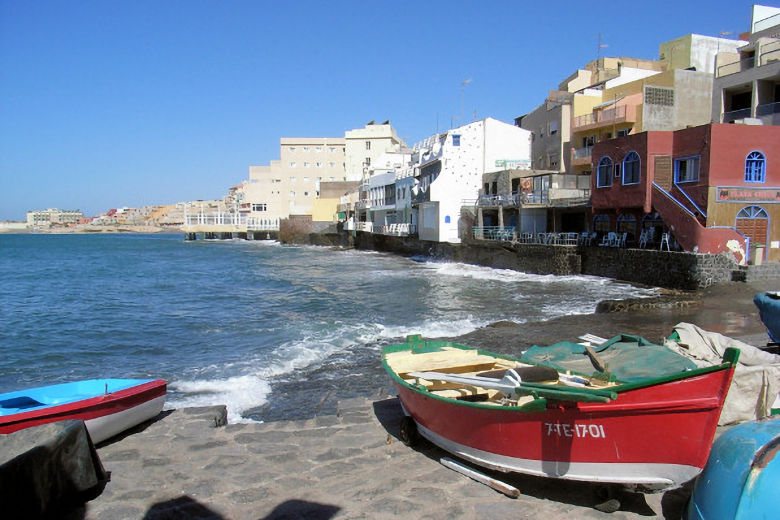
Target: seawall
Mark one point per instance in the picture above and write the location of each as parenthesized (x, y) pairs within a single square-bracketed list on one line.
[(668, 269)]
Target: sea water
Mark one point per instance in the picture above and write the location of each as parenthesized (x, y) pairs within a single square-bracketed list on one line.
[(271, 331)]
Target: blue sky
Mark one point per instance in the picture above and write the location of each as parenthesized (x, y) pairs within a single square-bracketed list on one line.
[(106, 104)]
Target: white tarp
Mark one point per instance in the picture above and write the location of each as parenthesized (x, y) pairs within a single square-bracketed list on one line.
[(756, 380)]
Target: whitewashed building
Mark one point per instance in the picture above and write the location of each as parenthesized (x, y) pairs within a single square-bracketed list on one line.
[(449, 169)]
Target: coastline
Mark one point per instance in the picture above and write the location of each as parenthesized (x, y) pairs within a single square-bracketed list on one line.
[(351, 464)]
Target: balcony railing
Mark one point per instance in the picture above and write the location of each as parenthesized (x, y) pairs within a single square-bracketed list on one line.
[(767, 109), (769, 56), (737, 66), (505, 233), (729, 117), (364, 226), (399, 229), (602, 117), (237, 221), (535, 197), (582, 153), (497, 200)]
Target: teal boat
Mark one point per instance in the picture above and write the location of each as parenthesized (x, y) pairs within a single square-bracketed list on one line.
[(742, 475)]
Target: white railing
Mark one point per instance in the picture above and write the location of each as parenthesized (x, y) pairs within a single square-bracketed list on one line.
[(399, 229), (364, 226), (240, 221)]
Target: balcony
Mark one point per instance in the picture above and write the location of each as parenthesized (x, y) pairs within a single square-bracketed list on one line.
[(730, 117), (494, 201), (581, 156), (603, 118), (399, 229), (769, 113), (737, 66), (503, 233)]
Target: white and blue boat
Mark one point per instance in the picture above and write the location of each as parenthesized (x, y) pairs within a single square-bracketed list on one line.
[(107, 406), (742, 475)]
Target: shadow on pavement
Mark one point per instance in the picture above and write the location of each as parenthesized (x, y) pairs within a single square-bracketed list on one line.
[(582, 494)]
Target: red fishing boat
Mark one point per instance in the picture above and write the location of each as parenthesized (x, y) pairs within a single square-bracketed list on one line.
[(107, 406), (507, 415)]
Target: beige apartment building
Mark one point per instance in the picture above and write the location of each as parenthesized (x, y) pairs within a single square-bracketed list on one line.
[(365, 145), (290, 185), (293, 184)]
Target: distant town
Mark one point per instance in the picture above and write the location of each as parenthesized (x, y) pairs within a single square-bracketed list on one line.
[(682, 152)]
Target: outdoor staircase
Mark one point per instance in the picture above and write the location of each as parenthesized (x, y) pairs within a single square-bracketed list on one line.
[(690, 232)]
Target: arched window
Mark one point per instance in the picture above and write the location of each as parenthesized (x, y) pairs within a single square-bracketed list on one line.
[(601, 224), (626, 223), (752, 212), (755, 167), (604, 173), (631, 168)]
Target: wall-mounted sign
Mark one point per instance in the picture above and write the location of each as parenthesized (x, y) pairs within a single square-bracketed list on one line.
[(739, 194), (514, 164)]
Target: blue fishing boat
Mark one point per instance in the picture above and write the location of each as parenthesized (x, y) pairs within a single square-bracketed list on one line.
[(742, 475), (768, 304), (107, 406)]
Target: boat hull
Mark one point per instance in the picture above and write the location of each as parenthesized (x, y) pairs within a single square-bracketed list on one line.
[(655, 436), (105, 415)]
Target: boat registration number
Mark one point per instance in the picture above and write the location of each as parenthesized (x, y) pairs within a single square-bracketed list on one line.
[(575, 430)]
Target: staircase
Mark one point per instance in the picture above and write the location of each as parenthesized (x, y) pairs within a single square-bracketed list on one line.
[(689, 231)]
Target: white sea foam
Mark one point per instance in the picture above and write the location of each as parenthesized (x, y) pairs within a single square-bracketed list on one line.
[(238, 394)]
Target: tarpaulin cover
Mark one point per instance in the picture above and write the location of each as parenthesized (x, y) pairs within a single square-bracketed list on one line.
[(46, 470), (628, 358), (756, 380)]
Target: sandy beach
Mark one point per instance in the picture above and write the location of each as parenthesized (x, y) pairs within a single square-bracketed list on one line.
[(353, 465)]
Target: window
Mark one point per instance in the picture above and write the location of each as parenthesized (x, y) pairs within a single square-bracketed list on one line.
[(259, 207), (292, 194), (318, 149), (292, 164), (332, 149), (601, 224), (305, 165), (686, 169), (319, 165), (292, 179), (332, 179), (305, 148), (305, 179), (604, 175), (553, 127), (368, 161), (621, 133), (456, 140), (631, 168), (368, 145), (292, 148), (626, 223), (755, 165)]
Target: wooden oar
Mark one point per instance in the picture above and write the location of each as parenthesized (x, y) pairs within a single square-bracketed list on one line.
[(496, 484), (512, 388)]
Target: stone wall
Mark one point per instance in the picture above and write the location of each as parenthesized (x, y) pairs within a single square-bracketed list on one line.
[(677, 270), (674, 270)]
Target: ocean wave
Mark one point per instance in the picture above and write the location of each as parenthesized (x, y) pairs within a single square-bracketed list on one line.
[(238, 394)]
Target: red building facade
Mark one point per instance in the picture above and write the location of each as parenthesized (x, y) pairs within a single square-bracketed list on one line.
[(713, 188)]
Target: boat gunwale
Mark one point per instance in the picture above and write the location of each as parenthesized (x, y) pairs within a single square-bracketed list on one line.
[(92, 404), (539, 404)]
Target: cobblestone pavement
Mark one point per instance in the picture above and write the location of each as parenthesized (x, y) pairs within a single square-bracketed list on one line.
[(350, 465)]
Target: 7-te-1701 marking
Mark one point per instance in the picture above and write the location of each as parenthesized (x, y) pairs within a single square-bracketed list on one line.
[(575, 430)]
